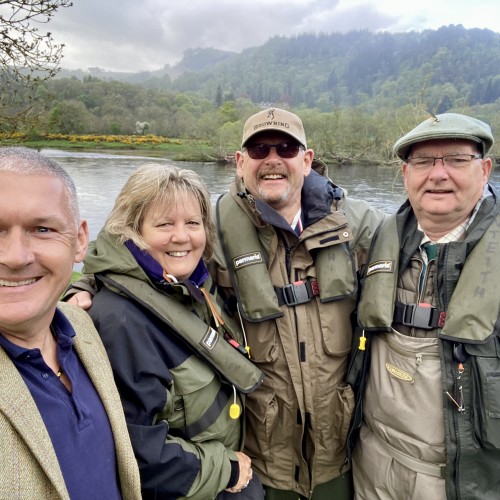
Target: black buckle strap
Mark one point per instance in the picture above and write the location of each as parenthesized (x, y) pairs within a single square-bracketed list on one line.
[(297, 293), (421, 315)]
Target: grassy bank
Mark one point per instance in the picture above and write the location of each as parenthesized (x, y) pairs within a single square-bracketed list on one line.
[(175, 149)]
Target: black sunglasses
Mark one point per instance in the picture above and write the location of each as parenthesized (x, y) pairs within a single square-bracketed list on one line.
[(284, 149)]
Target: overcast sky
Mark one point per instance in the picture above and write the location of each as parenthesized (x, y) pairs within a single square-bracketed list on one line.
[(135, 35)]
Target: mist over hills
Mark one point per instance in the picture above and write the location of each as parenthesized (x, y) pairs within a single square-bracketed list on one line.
[(448, 67)]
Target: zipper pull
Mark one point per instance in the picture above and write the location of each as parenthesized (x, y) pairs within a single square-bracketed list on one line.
[(418, 362)]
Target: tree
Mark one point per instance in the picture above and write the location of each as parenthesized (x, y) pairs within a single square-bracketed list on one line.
[(70, 117), (218, 96), (28, 57)]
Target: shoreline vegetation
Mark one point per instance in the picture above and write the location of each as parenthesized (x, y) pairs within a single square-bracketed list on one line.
[(175, 149), (194, 150)]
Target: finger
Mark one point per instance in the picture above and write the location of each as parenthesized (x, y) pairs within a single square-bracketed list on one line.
[(84, 303)]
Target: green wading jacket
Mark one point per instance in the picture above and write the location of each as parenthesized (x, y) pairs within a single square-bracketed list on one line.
[(296, 295), (176, 375), (463, 286)]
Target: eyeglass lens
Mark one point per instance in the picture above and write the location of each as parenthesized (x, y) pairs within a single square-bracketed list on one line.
[(455, 161), (283, 149)]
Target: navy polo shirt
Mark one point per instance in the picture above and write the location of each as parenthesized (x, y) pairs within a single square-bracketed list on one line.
[(76, 421)]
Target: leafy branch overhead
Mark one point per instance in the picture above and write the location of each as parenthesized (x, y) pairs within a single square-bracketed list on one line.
[(28, 56)]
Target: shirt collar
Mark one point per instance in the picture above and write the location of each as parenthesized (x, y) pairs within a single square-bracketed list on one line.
[(60, 325), (297, 224)]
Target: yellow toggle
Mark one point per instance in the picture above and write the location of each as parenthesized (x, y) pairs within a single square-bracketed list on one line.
[(362, 342), (234, 411)]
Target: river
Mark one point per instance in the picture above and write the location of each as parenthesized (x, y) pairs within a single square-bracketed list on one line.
[(100, 176)]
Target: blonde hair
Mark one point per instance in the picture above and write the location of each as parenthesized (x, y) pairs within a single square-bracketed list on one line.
[(162, 186)]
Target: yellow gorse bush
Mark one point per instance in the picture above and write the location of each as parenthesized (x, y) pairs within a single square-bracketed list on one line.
[(122, 139)]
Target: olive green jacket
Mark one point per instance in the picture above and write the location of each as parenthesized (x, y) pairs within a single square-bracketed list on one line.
[(298, 418), (463, 286)]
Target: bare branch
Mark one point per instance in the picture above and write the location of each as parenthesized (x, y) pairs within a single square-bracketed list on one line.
[(28, 56)]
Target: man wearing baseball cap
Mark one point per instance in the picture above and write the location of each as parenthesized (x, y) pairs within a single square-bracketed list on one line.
[(430, 312), (291, 245)]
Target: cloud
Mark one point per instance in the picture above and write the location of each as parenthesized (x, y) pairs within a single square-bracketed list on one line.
[(127, 35)]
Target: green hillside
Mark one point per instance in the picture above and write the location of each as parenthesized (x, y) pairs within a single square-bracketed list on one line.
[(357, 92)]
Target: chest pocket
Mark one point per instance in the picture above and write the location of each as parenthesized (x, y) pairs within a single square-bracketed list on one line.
[(195, 387), (485, 391)]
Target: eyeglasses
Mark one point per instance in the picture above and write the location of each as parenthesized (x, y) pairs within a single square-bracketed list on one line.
[(283, 149), (454, 162)]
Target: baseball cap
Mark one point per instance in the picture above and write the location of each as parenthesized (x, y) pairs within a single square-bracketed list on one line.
[(446, 126), (274, 119)]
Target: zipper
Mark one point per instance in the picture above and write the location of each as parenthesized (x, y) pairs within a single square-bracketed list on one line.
[(417, 355), (411, 353)]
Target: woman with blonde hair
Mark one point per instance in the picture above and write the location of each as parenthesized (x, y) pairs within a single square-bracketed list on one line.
[(179, 361)]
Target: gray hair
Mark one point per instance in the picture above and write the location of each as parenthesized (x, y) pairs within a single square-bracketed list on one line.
[(157, 185), (25, 161)]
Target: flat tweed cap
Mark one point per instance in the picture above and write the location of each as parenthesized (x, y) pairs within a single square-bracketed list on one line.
[(446, 126), (274, 119)]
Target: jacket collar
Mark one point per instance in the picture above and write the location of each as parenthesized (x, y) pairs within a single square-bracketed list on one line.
[(155, 272), (317, 197)]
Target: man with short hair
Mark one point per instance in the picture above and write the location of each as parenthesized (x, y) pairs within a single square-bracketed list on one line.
[(291, 245), (430, 309), (62, 429)]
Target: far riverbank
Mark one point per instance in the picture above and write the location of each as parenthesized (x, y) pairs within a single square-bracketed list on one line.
[(190, 150)]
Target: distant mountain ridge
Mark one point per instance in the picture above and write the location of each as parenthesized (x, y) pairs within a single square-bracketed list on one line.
[(450, 64)]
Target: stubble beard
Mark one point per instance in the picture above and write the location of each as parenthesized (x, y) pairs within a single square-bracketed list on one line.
[(274, 200)]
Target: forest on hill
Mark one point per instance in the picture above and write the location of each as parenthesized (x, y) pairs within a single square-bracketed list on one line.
[(356, 92)]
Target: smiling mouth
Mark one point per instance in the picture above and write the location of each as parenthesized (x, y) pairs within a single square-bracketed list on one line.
[(273, 177), (177, 254), (12, 284)]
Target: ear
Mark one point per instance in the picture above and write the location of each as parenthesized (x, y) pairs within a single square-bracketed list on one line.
[(82, 242), (405, 174), (308, 160), (240, 160), (486, 166)]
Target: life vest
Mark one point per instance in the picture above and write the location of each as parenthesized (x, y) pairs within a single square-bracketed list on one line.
[(246, 258), (204, 340), (474, 307)]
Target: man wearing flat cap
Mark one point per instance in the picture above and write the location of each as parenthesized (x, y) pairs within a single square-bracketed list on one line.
[(429, 312)]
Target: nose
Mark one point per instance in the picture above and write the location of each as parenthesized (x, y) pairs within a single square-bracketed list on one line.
[(438, 169), (180, 234), (15, 250)]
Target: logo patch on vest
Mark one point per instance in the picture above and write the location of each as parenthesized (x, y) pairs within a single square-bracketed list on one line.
[(398, 373), (247, 260), (210, 339), (380, 266)]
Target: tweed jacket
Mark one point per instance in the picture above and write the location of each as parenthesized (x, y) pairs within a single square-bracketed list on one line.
[(29, 468)]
